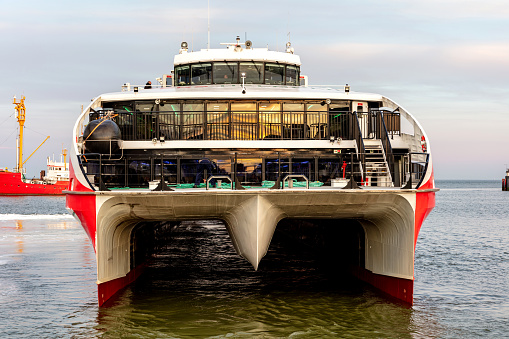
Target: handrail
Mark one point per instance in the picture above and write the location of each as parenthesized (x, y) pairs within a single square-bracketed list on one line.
[(383, 135), (409, 183), (361, 150), (218, 177), (100, 168), (295, 176)]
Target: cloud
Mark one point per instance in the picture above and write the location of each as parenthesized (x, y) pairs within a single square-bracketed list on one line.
[(455, 9)]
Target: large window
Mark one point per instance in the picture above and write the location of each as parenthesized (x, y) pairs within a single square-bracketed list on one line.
[(316, 118), (218, 121), (192, 121), (226, 73), (274, 74), (253, 71), (169, 121), (244, 121), (292, 75), (182, 74), (294, 125), (270, 120), (201, 74), (235, 120)]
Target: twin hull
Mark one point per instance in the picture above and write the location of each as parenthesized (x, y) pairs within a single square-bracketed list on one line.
[(390, 220)]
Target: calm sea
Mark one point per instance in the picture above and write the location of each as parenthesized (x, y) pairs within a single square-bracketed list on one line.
[(200, 288)]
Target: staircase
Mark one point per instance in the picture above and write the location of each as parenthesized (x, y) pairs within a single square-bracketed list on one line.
[(377, 170)]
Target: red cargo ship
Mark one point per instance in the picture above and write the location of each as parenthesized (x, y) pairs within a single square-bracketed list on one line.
[(14, 182)]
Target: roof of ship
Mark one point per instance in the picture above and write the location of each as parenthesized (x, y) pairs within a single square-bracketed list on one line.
[(236, 52), (254, 92)]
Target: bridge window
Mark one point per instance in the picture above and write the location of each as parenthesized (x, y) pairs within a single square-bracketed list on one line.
[(226, 73), (292, 75), (201, 74), (182, 74), (274, 74), (253, 71)]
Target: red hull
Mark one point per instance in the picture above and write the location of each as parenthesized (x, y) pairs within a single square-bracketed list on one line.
[(11, 184)]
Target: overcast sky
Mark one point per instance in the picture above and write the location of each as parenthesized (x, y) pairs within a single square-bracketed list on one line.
[(445, 61)]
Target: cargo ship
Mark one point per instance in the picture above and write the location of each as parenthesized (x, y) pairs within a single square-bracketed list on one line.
[(238, 134), (52, 181)]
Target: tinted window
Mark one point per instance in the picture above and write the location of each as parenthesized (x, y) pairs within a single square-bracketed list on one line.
[(274, 74), (254, 72), (292, 75), (201, 74), (182, 75), (225, 73)]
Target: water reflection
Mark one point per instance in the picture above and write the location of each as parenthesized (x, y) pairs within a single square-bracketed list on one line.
[(199, 287)]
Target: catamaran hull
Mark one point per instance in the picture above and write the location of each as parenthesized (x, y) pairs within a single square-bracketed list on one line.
[(390, 221)]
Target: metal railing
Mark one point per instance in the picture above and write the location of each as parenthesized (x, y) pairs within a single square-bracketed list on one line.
[(383, 135), (138, 171), (233, 125), (416, 166), (361, 150)]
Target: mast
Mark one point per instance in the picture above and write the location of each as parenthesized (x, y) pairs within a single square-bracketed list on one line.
[(20, 108)]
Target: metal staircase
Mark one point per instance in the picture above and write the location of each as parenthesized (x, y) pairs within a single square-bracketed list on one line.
[(377, 169)]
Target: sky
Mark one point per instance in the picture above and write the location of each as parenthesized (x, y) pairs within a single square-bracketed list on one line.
[(444, 61)]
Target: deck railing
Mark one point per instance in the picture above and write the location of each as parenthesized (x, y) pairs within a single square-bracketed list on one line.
[(138, 171), (383, 135), (187, 125)]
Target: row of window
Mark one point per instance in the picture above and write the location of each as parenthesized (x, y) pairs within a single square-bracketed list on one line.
[(230, 72)]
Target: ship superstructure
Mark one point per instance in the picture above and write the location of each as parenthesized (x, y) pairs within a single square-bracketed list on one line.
[(237, 134)]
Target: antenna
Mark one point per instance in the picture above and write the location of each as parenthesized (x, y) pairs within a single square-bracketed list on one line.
[(208, 23)]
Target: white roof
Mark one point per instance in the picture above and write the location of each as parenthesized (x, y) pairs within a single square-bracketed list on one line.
[(236, 54), (254, 92)]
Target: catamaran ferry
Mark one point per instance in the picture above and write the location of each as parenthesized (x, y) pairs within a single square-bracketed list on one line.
[(237, 134)]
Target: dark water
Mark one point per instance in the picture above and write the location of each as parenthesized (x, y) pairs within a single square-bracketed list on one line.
[(199, 287)]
